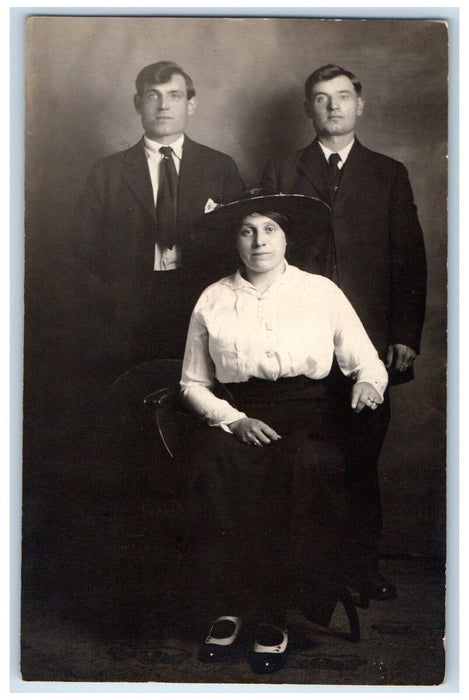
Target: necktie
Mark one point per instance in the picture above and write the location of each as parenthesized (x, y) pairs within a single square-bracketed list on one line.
[(334, 179), (166, 201), (334, 174)]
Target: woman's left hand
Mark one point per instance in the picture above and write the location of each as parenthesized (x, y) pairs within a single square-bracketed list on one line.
[(364, 395)]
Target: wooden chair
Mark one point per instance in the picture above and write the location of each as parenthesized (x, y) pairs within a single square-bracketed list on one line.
[(154, 387)]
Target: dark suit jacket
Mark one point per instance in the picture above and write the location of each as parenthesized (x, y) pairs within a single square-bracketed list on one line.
[(114, 240), (115, 217), (378, 239)]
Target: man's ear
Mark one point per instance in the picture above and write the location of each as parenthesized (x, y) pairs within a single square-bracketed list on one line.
[(191, 105), (138, 103), (307, 104), (360, 106)]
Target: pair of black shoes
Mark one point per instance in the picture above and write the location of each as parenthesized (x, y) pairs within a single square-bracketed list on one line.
[(222, 644)]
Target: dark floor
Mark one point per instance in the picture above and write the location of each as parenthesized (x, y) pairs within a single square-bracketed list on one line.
[(402, 644), (103, 599)]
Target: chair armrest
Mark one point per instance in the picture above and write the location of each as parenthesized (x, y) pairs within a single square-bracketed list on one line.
[(169, 415), (161, 398)]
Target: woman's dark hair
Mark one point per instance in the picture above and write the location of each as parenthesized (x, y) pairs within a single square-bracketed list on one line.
[(162, 72), (281, 219)]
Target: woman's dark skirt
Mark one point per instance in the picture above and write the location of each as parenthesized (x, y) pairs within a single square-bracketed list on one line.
[(265, 524)]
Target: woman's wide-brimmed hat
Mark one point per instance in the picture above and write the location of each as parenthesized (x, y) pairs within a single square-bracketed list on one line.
[(309, 232), (303, 212)]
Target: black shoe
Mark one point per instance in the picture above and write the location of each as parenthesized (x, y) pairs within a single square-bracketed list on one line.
[(269, 651), (380, 589), (220, 643), (373, 587)]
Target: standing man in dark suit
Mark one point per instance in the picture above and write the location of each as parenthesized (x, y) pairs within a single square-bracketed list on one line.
[(133, 228), (377, 258)]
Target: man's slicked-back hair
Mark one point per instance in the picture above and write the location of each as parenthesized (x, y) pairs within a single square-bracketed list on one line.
[(162, 72), (329, 72)]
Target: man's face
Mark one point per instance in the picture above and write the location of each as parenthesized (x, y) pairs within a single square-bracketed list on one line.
[(164, 109), (334, 107)]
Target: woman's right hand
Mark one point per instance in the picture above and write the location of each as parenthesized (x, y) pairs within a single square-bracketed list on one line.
[(253, 432)]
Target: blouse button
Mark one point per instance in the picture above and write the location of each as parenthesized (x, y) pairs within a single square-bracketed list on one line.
[(269, 353)]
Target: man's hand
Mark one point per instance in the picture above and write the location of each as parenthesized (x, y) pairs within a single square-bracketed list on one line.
[(401, 357), (364, 394), (253, 432)]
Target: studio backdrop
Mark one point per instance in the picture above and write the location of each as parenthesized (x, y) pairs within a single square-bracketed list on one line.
[(249, 78)]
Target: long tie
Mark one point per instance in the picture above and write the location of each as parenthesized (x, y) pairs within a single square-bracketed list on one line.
[(166, 201), (334, 174), (334, 180)]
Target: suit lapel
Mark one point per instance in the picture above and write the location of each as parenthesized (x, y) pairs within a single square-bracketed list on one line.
[(352, 174), (188, 174), (137, 177), (312, 165)]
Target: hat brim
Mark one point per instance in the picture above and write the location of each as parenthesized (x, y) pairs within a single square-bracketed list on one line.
[(302, 211), (309, 231)]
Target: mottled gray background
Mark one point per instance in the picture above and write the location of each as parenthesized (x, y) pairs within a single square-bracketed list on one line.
[(249, 76)]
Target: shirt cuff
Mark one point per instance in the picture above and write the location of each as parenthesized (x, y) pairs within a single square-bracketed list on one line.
[(380, 386), (225, 425)]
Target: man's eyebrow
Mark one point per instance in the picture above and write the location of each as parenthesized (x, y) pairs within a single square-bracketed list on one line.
[(172, 92), (346, 91)]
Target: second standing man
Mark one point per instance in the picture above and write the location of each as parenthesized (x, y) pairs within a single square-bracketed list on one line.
[(377, 258)]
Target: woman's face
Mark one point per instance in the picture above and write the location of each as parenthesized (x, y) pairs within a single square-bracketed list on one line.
[(261, 243)]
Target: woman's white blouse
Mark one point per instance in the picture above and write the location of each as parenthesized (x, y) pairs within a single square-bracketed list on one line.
[(293, 328)]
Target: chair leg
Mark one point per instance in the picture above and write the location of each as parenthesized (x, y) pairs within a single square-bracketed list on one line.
[(322, 607), (321, 612), (346, 599)]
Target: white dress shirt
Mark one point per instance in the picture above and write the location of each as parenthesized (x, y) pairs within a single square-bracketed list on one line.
[(165, 258), (344, 153), (293, 328)]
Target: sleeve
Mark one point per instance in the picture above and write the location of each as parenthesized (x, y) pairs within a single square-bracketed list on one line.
[(408, 265), (89, 223), (269, 179), (198, 378), (233, 186), (355, 353), (94, 305)]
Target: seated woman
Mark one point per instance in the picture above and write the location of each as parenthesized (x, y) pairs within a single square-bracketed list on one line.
[(265, 498)]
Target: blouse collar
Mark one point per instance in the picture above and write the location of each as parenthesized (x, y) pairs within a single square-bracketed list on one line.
[(237, 281)]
